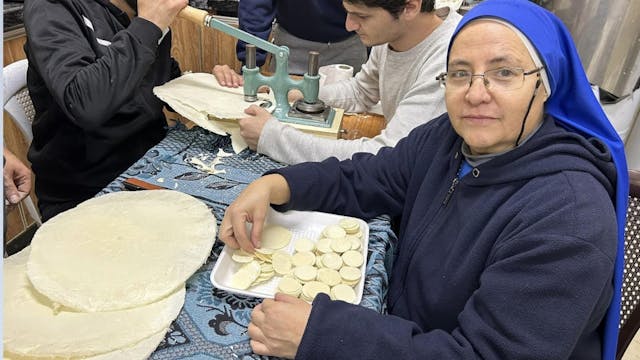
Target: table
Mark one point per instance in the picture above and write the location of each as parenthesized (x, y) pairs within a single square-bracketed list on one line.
[(354, 126), (359, 125), (213, 323)]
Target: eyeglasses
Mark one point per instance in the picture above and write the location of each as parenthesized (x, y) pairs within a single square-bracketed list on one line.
[(501, 79)]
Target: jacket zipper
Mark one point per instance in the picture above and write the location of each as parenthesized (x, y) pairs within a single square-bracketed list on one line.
[(452, 188), (427, 230)]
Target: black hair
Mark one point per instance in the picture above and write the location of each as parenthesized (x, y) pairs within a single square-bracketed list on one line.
[(394, 7)]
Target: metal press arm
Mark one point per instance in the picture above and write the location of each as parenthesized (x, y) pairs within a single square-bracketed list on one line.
[(203, 18), (280, 82)]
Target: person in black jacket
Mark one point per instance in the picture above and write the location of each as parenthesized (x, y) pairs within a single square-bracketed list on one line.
[(92, 67)]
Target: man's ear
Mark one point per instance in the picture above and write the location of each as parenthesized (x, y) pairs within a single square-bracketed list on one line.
[(412, 8)]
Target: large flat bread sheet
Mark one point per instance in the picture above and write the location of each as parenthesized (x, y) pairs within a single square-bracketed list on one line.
[(32, 329), (139, 351), (121, 250), (200, 98)]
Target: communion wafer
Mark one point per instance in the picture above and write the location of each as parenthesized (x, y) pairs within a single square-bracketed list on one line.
[(261, 257), (340, 245), (281, 263), (350, 274), (343, 292), (275, 237), (332, 261), (263, 277), (355, 241), (334, 232), (242, 256), (303, 258), (290, 286), (303, 245), (350, 225), (266, 268), (305, 273), (323, 245), (311, 289), (246, 275), (353, 258), (329, 276), (265, 251)]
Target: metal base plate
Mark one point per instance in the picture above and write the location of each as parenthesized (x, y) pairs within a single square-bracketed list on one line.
[(321, 119)]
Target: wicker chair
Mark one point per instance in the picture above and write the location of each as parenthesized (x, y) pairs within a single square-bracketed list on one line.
[(630, 304)]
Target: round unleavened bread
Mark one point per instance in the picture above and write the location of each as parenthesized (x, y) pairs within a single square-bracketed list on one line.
[(32, 327), (275, 237), (121, 250)]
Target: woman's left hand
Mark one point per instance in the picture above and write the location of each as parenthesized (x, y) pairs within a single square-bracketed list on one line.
[(277, 326)]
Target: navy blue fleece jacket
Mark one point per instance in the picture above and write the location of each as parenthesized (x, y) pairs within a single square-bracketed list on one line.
[(513, 262)]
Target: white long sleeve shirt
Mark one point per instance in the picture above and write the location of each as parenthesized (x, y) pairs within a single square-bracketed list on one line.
[(405, 84)]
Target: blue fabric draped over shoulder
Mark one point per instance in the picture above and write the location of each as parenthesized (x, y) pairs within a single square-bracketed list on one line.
[(574, 105)]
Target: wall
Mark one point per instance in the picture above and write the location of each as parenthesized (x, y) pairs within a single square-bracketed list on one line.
[(199, 49)]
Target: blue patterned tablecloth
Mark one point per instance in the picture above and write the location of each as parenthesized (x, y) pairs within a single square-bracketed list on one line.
[(213, 323)]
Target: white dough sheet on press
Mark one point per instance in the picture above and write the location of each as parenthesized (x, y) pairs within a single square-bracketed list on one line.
[(200, 98)]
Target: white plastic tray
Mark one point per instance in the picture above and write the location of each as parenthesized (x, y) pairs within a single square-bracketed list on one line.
[(303, 224)]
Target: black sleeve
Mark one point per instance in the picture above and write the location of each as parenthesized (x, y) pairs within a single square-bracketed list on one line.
[(88, 86), (175, 69)]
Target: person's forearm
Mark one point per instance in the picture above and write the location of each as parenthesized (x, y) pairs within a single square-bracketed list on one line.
[(291, 146), (278, 188)]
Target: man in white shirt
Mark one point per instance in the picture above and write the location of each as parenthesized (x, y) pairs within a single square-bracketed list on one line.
[(409, 44)]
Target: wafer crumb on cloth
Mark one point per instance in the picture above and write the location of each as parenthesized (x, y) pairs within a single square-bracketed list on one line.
[(200, 98)]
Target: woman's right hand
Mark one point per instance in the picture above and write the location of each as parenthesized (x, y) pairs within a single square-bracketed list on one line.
[(251, 207)]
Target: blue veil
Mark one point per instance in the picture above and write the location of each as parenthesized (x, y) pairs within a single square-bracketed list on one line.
[(573, 104)]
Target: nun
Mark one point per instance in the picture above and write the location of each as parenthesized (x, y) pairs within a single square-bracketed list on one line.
[(510, 210)]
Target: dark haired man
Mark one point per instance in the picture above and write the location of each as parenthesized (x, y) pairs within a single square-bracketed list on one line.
[(409, 44)]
